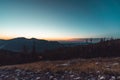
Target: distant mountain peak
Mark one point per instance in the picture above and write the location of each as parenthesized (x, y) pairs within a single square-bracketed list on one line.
[(19, 38), (16, 44)]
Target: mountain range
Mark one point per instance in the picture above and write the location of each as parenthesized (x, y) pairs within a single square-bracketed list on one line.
[(17, 44)]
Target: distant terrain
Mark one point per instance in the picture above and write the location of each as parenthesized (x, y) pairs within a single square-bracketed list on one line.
[(104, 48), (32, 59), (22, 50), (17, 44)]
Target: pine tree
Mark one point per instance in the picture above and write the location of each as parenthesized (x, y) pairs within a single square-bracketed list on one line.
[(33, 48), (102, 40), (25, 51), (91, 40), (86, 40), (34, 53)]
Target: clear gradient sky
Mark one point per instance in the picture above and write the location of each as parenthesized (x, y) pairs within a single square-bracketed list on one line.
[(59, 19)]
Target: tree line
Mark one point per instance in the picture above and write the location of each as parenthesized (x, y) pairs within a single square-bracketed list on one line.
[(105, 48)]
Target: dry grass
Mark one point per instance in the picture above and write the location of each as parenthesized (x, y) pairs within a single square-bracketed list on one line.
[(79, 65)]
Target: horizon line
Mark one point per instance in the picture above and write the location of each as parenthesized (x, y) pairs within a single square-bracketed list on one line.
[(55, 39)]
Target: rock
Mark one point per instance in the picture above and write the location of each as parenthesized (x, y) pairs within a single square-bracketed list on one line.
[(118, 77), (113, 78), (70, 72), (98, 72), (37, 78), (77, 78), (55, 79), (93, 78), (71, 76), (17, 70), (47, 73), (16, 79), (63, 77), (1, 79), (51, 77), (97, 63), (115, 64), (18, 74), (102, 78), (2, 75)]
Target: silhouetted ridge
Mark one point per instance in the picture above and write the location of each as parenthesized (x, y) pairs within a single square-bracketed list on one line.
[(16, 44)]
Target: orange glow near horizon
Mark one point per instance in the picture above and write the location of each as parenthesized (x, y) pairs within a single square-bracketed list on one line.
[(5, 37), (51, 39), (57, 39)]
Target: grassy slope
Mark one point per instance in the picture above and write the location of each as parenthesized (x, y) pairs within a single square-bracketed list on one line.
[(85, 65)]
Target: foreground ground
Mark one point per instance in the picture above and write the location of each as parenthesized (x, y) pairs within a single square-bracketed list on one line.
[(77, 69)]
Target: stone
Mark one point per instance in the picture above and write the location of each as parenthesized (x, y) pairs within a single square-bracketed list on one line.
[(37, 78)]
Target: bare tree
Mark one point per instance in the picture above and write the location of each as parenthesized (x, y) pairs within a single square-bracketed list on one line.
[(25, 50), (86, 40), (91, 40)]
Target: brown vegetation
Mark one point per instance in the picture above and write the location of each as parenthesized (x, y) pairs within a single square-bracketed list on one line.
[(77, 65)]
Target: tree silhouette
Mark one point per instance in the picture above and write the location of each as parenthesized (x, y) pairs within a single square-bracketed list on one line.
[(25, 50), (33, 52), (86, 40), (91, 40), (101, 40), (34, 48)]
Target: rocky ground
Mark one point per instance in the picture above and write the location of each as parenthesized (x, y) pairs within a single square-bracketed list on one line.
[(18, 74), (91, 69)]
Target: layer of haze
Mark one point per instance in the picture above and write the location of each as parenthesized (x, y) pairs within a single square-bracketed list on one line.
[(59, 19)]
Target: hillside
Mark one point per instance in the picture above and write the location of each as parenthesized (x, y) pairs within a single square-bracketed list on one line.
[(109, 48), (17, 44), (99, 61), (102, 49)]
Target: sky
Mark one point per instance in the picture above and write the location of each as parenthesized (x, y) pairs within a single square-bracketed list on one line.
[(59, 19)]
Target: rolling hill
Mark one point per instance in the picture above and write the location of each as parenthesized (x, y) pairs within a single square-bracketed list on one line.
[(17, 44)]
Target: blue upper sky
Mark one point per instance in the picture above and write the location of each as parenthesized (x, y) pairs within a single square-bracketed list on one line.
[(59, 19)]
